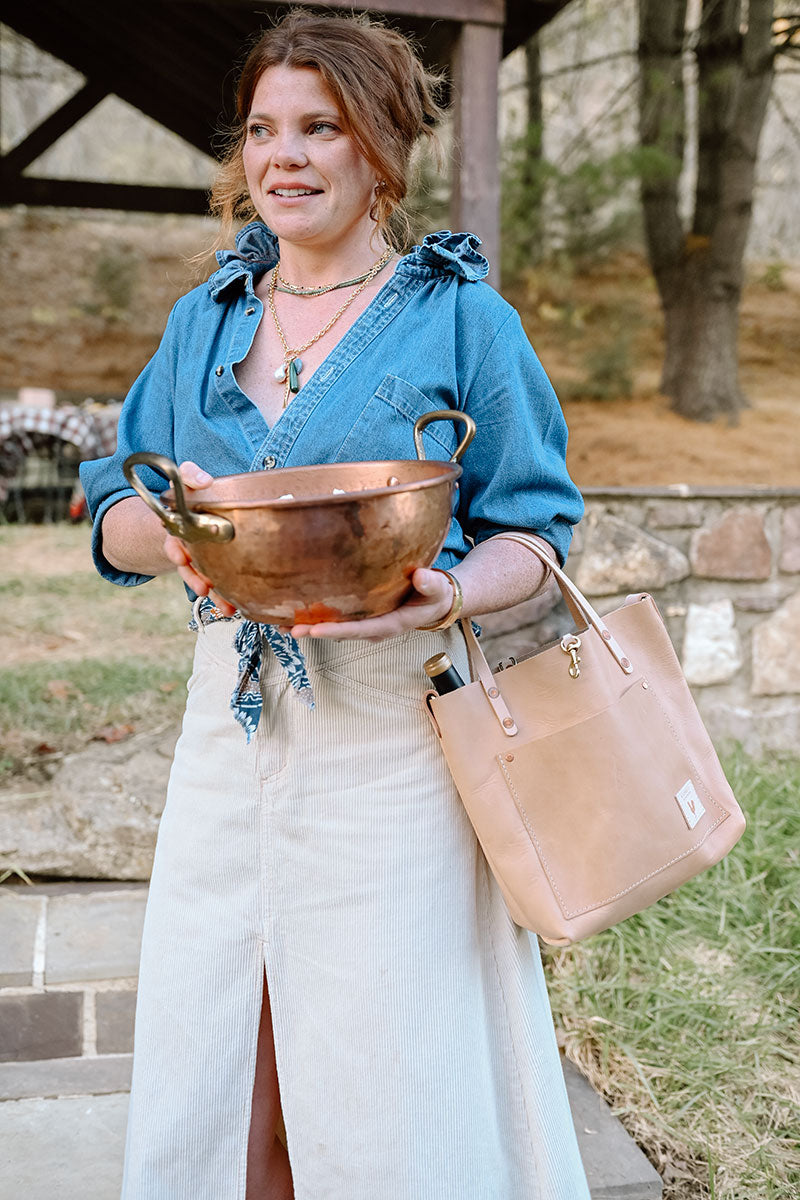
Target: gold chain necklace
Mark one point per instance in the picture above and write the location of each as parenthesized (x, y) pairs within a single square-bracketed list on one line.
[(292, 364), (292, 289)]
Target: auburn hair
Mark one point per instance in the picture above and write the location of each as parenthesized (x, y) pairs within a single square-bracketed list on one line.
[(387, 98)]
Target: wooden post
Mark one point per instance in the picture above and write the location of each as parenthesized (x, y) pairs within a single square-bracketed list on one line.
[(475, 204)]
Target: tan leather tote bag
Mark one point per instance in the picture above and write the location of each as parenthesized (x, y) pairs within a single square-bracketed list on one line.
[(586, 771)]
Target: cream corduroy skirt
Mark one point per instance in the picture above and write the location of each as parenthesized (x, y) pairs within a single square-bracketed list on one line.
[(414, 1041)]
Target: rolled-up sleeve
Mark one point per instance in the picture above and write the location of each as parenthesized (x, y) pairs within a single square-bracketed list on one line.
[(515, 472), (146, 422)]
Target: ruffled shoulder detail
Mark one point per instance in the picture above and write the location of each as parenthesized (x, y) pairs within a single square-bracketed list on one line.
[(450, 254), (256, 246)]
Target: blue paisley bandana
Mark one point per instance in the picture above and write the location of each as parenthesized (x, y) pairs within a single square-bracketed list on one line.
[(246, 701)]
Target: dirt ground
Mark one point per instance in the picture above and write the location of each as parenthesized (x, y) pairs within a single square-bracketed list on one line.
[(54, 584), (93, 293), (604, 327)]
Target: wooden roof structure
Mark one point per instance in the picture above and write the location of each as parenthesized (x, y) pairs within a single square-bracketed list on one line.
[(174, 60)]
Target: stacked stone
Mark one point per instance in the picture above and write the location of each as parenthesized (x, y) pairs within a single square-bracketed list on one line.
[(724, 568)]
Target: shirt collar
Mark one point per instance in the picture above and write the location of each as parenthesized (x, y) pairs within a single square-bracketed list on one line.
[(442, 253), (446, 253), (256, 250)]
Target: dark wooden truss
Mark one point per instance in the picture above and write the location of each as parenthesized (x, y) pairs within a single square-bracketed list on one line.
[(174, 61)]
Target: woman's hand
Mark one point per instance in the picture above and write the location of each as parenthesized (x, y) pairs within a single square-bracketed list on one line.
[(495, 575), (177, 551), (430, 601)]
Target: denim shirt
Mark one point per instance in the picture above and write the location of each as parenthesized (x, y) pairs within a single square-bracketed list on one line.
[(434, 337)]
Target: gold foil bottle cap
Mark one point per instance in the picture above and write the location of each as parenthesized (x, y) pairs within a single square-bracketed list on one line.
[(437, 665)]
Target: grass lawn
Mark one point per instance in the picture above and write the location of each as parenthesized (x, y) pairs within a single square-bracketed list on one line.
[(79, 657), (686, 1018)]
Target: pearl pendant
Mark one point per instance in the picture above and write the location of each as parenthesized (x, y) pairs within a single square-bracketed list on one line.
[(295, 367)]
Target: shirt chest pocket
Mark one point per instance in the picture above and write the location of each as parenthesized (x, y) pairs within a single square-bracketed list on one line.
[(384, 429)]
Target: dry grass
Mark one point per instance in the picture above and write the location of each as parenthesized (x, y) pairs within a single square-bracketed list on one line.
[(599, 335), (79, 657)]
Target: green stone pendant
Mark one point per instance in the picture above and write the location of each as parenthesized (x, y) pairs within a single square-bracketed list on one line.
[(295, 365)]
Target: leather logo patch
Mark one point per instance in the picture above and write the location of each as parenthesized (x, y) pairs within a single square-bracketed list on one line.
[(690, 804)]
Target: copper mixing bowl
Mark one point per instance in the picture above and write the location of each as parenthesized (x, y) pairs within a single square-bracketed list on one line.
[(285, 549)]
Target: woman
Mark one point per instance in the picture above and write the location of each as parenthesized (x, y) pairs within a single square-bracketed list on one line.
[(323, 939)]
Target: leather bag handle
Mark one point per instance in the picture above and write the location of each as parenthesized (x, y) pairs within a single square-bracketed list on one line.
[(583, 613)]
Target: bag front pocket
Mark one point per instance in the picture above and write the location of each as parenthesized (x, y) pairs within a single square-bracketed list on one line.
[(620, 800)]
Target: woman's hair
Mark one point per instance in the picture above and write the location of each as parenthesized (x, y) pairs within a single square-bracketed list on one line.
[(385, 95)]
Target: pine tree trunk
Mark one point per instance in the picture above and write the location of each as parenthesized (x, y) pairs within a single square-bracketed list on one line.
[(701, 367), (533, 74), (699, 272)]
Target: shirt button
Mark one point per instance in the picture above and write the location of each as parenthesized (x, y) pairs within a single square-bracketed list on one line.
[(220, 371), (248, 312), (269, 462)]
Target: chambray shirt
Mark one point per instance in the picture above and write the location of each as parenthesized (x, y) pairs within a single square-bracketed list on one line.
[(434, 337)]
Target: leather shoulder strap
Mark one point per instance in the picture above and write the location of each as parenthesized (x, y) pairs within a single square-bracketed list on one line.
[(582, 611)]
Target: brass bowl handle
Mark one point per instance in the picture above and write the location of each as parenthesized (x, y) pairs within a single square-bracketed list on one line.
[(446, 414), (189, 526)]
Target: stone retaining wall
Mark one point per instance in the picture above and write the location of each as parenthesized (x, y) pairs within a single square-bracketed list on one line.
[(724, 567)]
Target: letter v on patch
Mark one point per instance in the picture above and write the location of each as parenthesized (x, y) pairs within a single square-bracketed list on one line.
[(690, 804)]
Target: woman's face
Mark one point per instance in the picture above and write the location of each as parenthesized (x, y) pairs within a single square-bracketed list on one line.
[(306, 177)]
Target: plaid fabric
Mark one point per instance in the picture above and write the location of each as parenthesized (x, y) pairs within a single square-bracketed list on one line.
[(77, 433)]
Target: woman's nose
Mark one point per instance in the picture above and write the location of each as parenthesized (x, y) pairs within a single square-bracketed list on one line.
[(289, 150)]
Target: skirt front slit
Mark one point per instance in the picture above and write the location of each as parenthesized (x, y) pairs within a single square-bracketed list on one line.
[(414, 1043)]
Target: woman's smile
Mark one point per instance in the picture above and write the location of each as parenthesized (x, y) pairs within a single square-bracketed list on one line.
[(296, 193)]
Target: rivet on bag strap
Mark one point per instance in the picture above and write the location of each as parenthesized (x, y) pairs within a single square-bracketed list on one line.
[(481, 669)]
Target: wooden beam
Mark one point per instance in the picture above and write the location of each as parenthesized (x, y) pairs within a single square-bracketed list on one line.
[(476, 161), (82, 193), (136, 60), (52, 128), (488, 12)]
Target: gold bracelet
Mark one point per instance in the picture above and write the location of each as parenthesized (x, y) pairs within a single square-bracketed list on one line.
[(455, 608)]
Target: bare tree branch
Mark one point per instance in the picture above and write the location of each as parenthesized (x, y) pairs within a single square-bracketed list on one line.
[(785, 116), (572, 68), (786, 34), (584, 135)]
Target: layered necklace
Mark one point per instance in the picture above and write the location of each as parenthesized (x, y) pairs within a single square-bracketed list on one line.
[(288, 371)]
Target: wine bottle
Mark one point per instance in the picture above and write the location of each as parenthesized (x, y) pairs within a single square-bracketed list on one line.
[(443, 675)]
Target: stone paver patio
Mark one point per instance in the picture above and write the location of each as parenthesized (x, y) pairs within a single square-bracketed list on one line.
[(68, 963)]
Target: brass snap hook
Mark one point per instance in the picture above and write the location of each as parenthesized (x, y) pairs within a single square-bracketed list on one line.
[(571, 644)]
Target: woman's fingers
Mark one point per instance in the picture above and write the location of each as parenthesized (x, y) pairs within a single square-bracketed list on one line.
[(175, 551), (197, 582), (193, 476)]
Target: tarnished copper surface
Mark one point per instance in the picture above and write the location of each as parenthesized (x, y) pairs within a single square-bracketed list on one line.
[(320, 557), (284, 549)]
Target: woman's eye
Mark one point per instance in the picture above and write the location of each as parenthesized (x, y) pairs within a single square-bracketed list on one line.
[(256, 131), (323, 127)]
